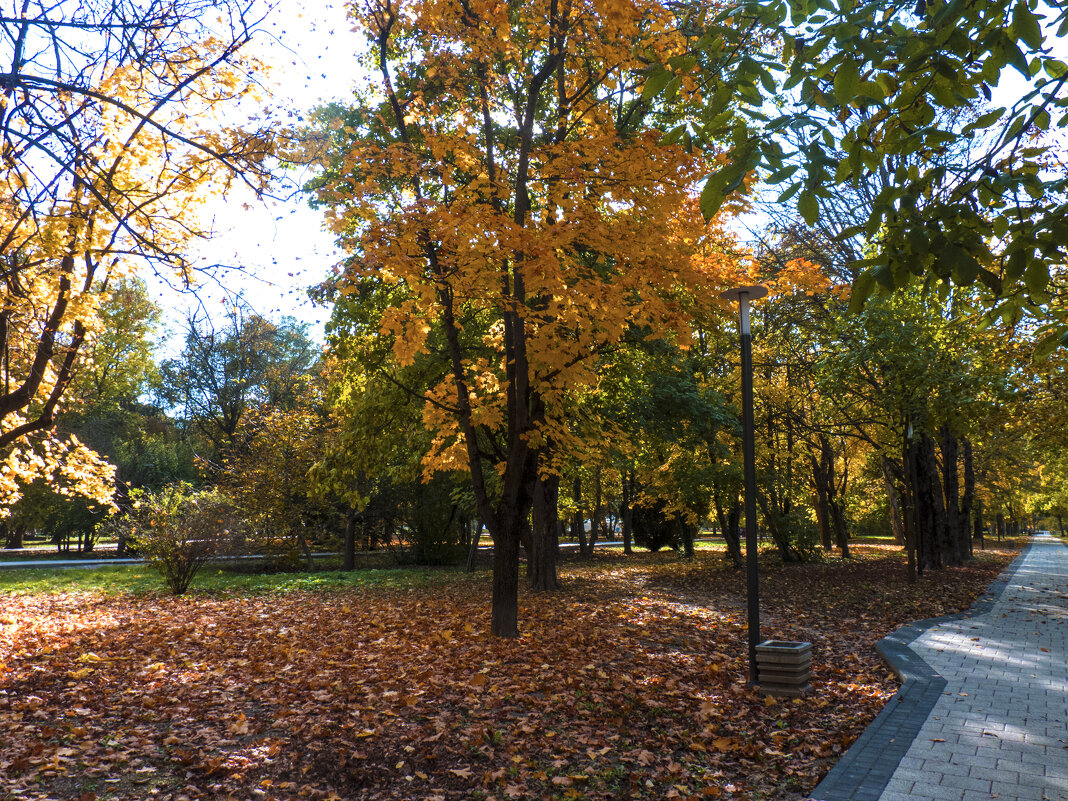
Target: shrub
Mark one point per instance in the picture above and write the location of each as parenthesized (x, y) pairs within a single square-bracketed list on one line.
[(655, 529), (178, 531)]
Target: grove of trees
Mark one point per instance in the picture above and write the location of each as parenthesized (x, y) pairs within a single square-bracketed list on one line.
[(539, 204)]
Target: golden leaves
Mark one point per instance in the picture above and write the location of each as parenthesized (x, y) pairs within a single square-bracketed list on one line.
[(254, 695)]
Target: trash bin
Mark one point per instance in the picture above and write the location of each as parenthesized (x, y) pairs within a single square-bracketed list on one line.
[(784, 667)]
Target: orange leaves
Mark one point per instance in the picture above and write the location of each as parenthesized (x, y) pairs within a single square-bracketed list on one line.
[(576, 223), (610, 687), (802, 275)]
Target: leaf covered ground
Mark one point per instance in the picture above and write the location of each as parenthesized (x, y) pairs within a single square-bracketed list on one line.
[(630, 683)]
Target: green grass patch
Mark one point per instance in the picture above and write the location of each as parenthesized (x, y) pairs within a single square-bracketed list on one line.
[(141, 579), (48, 554)]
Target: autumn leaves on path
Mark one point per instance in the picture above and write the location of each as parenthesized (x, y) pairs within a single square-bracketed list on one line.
[(628, 684)]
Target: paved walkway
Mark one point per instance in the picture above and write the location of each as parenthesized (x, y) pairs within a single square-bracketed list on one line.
[(983, 711)]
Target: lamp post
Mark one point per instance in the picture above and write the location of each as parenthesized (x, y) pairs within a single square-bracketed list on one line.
[(743, 295)]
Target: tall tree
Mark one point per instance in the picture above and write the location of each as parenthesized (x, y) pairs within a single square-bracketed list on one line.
[(110, 143), (230, 366), (505, 173)]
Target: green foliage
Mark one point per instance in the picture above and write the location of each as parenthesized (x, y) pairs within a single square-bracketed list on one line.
[(431, 515), (794, 534), (120, 367), (178, 531), (820, 96), (59, 517), (225, 370), (654, 529)]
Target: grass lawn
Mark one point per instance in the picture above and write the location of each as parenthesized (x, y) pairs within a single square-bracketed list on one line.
[(629, 683)]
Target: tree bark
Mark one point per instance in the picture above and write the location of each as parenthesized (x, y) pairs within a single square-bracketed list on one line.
[(826, 488), (820, 504), (626, 513), (687, 535), (597, 517), (349, 557), (936, 515), (914, 531), (728, 526), (544, 535), (578, 519), (13, 535), (504, 606), (954, 531), (967, 502), (897, 525), (472, 547)]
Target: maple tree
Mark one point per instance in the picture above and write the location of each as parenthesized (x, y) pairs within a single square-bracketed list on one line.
[(101, 412), (504, 175), (111, 142)]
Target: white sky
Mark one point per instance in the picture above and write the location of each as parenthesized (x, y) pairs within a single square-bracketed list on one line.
[(280, 246)]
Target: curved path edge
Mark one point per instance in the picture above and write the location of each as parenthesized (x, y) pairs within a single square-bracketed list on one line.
[(864, 771)]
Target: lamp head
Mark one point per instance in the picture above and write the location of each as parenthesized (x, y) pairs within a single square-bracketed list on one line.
[(755, 292)]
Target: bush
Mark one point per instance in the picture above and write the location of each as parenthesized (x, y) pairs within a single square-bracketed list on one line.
[(654, 529), (178, 531)]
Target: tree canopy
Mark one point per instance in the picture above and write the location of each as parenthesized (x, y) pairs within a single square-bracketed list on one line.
[(111, 143), (820, 97)]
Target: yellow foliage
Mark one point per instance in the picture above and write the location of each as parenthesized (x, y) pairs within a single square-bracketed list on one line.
[(554, 246), (133, 174)]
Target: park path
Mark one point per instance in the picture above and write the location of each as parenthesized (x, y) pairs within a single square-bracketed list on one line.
[(983, 711)]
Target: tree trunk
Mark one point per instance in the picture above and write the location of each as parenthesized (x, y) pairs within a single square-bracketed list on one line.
[(544, 535), (980, 526), (578, 520), (14, 535), (914, 526), (967, 501), (686, 530), (908, 525), (349, 556), (897, 525), (728, 525), (597, 518), (954, 531), (505, 603), (774, 519), (936, 515), (827, 488), (820, 504), (472, 548), (626, 513), (305, 546), (999, 523)]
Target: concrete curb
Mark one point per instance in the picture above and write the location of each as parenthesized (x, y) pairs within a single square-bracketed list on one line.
[(864, 771)]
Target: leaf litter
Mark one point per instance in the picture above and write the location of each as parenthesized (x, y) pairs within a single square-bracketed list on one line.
[(629, 684)]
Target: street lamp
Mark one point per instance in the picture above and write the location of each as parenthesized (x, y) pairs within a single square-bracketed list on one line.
[(743, 295)]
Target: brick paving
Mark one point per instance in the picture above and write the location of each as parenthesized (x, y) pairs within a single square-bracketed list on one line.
[(983, 711)]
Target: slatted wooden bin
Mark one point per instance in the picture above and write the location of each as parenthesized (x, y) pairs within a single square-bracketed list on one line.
[(784, 667)]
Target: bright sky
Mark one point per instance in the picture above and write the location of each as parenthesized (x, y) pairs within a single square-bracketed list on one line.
[(280, 245)]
